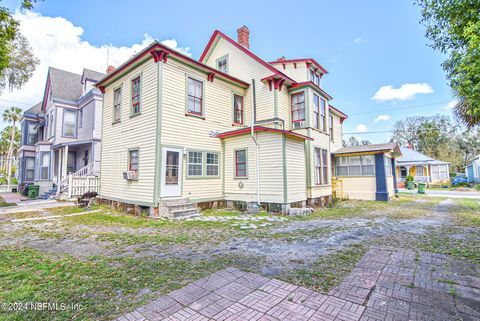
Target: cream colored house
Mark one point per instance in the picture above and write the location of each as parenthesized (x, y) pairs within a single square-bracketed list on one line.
[(229, 127)]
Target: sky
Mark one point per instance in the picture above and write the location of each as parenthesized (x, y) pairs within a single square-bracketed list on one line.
[(380, 66)]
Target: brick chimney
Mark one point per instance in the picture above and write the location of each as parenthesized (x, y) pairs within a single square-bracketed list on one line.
[(243, 36), (110, 68)]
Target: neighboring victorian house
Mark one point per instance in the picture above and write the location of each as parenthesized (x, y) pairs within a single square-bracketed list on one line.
[(67, 125), (422, 167), (230, 128)]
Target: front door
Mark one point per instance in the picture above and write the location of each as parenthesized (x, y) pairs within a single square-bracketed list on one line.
[(171, 177)]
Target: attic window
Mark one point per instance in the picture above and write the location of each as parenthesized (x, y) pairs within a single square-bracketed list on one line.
[(222, 64), (315, 77)]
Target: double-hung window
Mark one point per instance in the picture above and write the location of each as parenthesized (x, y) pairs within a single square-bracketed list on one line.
[(238, 109), (330, 126), (241, 163), (321, 166), (323, 115), (298, 107), (222, 64), (315, 77), (195, 97), (136, 84), (318, 166), (31, 134), (69, 123), (133, 160), (388, 166), (195, 163), (316, 111), (29, 168), (117, 100), (44, 165), (212, 164)]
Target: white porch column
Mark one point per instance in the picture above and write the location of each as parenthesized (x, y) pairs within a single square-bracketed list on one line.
[(65, 161)]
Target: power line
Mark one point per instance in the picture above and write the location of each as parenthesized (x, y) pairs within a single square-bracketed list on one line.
[(396, 108), (361, 133), (17, 102)]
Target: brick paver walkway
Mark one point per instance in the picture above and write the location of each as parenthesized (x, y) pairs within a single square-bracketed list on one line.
[(387, 284)]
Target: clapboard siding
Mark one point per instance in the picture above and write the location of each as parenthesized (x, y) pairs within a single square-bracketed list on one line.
[(296, 170), (271, 167), (132, 132)]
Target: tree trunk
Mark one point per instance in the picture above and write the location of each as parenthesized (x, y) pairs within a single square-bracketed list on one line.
[(10, 154)]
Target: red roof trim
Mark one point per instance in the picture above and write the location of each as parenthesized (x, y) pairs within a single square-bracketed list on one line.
[(311, 84), (247, 130), (155, 46), (242, 48), (313, 61), (342, 114)]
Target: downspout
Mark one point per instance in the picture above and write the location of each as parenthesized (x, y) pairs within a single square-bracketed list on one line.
[(257, 148)]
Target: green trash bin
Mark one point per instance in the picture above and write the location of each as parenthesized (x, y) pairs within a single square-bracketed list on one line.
[(410, 185), (421, 188), (33, 191)]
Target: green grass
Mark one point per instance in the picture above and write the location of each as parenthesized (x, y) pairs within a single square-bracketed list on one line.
[(328, 271), (467, 212), (105, 287)]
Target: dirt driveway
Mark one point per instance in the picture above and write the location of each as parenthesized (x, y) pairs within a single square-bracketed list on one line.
[(112, 263)]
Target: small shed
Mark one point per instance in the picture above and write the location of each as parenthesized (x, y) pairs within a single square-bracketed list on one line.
[(472, 171), (366, 172)]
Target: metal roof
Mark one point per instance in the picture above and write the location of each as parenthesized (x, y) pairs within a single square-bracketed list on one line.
[(368, 148), (410, 156)]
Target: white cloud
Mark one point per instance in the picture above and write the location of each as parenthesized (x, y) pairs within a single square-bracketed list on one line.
[(359, 40), (451, 105), (405, 92), (382, 118), (57, 42), (361, 128)]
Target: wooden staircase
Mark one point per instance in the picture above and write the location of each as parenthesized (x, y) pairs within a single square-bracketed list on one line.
[(177, 208)]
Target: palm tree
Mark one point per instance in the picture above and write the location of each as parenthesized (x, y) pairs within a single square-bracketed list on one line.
[(11, 115)]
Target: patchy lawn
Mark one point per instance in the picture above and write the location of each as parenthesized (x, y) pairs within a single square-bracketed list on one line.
[(111, 262)]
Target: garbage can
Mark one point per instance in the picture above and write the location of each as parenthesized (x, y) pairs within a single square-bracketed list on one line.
[(410, 185), (421, 188), (33, 191)]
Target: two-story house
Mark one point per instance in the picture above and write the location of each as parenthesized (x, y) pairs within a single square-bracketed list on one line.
[(62, 134), (230, 127)]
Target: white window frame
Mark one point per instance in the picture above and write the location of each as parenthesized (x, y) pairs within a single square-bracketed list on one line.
[(222, 59), (117, 105), (346, 161), (74, 123), (198, 163), (212, 165)]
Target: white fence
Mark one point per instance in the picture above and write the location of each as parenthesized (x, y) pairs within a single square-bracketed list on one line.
[(8, 188), (79, 185)]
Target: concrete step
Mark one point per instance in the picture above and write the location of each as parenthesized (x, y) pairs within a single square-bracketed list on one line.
[(176, 207), (189, 212), (173, 201)]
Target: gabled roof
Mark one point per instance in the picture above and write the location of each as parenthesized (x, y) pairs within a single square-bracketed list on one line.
[(155, 49), (64, 84), (35, 109), (411, 156), (219, 34), (92, 75), (306, 60), (386, 147), (247, 130)]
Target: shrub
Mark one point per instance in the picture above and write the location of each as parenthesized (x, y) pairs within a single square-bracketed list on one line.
[(477, 187), (409, 178)]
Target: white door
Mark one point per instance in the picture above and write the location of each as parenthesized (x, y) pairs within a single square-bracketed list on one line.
[(171, 177)]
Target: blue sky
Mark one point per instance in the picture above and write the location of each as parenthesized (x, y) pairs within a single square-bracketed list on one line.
[(364, 44)]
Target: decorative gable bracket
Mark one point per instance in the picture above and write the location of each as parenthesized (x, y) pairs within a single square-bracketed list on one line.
[(160, 55), (211, 76)]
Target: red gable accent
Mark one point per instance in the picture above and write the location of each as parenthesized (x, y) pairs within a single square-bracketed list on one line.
[(242, 48), (308, 61), (160, 52), (247, 130), (343, 116)]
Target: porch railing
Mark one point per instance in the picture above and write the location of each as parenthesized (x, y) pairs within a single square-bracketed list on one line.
[(79, 185), (87, 170)]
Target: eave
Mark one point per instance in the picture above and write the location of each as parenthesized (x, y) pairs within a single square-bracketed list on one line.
[(307, 61), (256, 129), (338, 112), (160, 52), (299, 85)]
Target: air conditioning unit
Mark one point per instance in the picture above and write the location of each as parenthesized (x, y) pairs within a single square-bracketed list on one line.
[(299, 124), (130, 175)]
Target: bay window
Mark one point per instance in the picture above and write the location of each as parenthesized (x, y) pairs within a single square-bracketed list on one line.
[(44, 165), (330, 127), (316, 111), (29, 168), (32, 131), (323, 115), (69, 123)]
